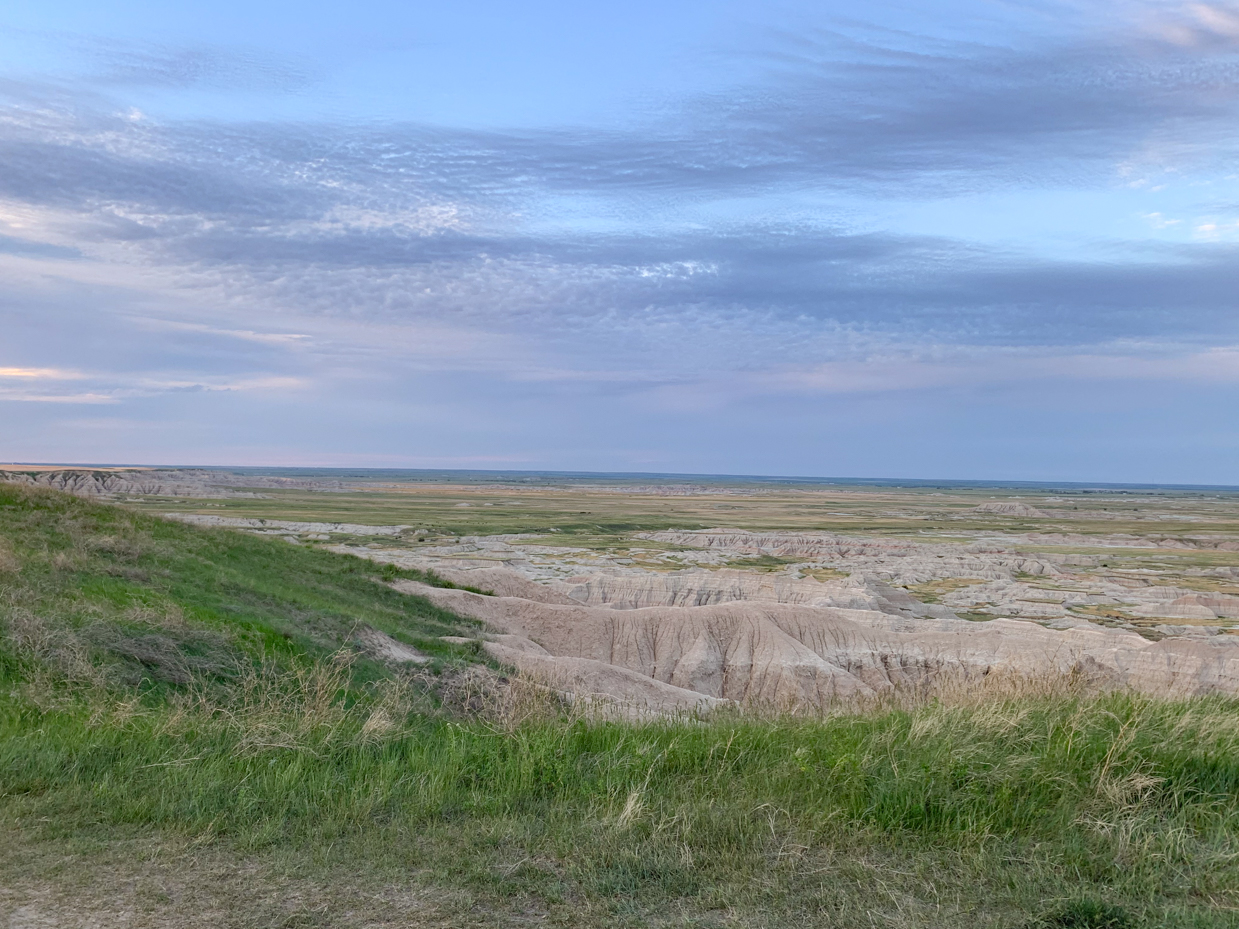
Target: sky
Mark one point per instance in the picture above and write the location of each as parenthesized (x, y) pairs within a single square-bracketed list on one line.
[(967, 239)]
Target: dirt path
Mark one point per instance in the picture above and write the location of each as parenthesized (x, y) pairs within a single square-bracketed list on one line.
[(170, 884)]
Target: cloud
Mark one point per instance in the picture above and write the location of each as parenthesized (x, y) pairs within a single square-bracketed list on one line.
[(128, 64), (113, 63), (60, 385), (25, 247), (839, 108), (418, 267), (40, 373), (28, 396), (1195, 24), (247, 335), (913, 372)]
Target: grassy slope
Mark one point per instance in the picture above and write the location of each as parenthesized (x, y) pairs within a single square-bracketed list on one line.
[(170, 706), (113, 573)]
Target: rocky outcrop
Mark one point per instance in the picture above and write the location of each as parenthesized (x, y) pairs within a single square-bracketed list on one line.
[(983, 576), (380, 645), (1009, 509), (1178, 603), (701, 587), (597, 681), (791, 655), (286, 526), (898, 561), (88, 483), (502, 582), (156, 482)]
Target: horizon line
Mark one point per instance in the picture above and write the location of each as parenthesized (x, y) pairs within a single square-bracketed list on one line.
[(673, 475)]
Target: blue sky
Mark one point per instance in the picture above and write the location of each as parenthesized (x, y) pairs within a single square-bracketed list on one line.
[(958, 240)]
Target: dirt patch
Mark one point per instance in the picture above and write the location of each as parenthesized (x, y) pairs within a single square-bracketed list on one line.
[(386, 649), (934, 591), (168, 883), (8, 559)]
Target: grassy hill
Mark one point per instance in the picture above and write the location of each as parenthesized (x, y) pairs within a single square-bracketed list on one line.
[(189, 735)]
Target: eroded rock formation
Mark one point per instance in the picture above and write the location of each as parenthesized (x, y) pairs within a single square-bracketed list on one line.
[(156, 482), (790, 656)]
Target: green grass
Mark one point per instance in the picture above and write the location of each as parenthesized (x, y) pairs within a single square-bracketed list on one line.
[(109, 579), (273, 751)]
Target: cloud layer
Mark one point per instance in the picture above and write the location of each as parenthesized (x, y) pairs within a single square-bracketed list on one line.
[(724, 250)]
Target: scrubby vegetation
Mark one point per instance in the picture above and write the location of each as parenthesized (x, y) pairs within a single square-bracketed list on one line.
[(173, 699)]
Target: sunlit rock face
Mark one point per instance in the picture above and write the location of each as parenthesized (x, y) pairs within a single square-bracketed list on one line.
[(156, 482), (794, 656)]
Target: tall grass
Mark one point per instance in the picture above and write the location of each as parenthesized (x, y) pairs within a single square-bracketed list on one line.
[(1118, 767), (1132, 799), (99, 592)]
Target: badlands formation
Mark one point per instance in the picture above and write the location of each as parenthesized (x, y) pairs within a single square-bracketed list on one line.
[(810, 595), (683, 630), (114, 483), (693, 638)]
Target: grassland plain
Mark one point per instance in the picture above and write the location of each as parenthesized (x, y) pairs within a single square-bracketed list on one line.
[(599, 510), (188, 737)]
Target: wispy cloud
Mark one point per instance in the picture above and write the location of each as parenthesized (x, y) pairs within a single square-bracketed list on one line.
[(40, 373), (247, 335), (915, 371), (29, 396), (111, 387), (658, 260), (120, 64)]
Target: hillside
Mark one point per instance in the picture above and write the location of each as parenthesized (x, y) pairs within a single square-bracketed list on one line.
[(196, 728)]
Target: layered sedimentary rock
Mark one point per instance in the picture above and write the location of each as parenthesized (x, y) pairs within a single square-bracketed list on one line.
[(791, 655), (1010, 509), (503, 582), (156, 482), (633, 590), (897, 560), (286, 526), (703, 588), (1179, 603), (89, 483), (990, 577)]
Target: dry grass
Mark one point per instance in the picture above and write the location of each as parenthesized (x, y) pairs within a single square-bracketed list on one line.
[(934, 591), (8, 559), (1010, 804)]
